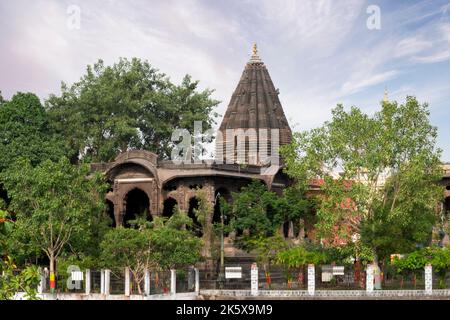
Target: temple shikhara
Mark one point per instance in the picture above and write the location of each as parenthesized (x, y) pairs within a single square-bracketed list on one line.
[(253, 128)]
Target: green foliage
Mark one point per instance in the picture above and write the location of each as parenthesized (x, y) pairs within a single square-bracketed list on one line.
[(300, 256), (266, 248), (25, 132), (256, 209), (439, 258), (127, 105), (54, 204), (164, 246), (379, 175), (12, 282)]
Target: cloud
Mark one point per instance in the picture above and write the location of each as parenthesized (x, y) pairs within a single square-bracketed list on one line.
[(359, 84), (412, 45)]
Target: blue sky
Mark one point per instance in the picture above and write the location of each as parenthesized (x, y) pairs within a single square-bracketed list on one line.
[(319, 53)]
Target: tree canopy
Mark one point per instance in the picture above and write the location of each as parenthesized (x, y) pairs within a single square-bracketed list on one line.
[(25, 132), (379, 175), (129, 105)]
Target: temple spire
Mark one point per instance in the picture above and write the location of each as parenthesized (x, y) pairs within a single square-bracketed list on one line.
[(386, 97)]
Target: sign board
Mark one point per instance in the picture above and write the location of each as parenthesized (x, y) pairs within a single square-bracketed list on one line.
[(329, 271), (338, 270), (77, 276), (233, 272), (254, 279)]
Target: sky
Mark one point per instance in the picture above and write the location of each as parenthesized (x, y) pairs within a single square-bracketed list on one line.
[(318, 52)]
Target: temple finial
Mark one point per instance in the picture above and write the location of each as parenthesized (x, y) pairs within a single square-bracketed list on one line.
[(385, 98), (255, 57), (255, 49)]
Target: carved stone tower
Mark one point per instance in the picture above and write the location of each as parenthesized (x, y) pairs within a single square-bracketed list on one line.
[(254, 123)]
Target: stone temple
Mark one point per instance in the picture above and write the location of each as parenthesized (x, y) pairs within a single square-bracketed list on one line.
[(253, 128)]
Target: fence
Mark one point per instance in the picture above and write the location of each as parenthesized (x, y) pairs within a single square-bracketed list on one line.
[(123, 281), (308, 279)]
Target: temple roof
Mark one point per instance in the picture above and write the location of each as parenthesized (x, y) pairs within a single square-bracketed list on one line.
[(255, 103)]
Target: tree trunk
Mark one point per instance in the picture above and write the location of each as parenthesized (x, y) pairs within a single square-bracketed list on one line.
[(52, 273)]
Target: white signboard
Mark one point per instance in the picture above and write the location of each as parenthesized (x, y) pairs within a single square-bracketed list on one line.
[(233, 272), (77, 276), (254, 279)]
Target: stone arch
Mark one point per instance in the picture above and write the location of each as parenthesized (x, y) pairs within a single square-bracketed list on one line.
[(168, 206), (136, 203), (196, 227)]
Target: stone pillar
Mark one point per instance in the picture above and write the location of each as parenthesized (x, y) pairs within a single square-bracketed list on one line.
[(369, 278), (254, 279), (428, 279), (173, 281), (102, 281), (127, 281), (107, 281), (197, 280), (88, 281), (311, 279), (147, 282)]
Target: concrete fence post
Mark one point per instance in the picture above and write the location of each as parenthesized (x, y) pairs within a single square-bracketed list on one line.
[(88, 281), (41, 285), (369, 278), (102, 281), (173, 281), (311, 279), (147, 282), (197, 280), (127, 281), (254, 279), (428, 279), (107, 281)]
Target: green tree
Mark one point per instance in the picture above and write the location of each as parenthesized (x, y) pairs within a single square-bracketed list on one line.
[(54, 203), (12, 283), (164, 244), (255, 209), (25, 132), (204, 214), (379, 174), (1, 98), (126, 247), (129, 105)]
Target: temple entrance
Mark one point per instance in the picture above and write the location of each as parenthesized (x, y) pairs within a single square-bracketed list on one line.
[(110, 213), (137, 205), (196, 226), (169, 205)]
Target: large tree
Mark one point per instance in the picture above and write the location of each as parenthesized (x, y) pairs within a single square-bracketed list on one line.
[(379, 175), (53, 204), (25, 132), (127, 105)]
